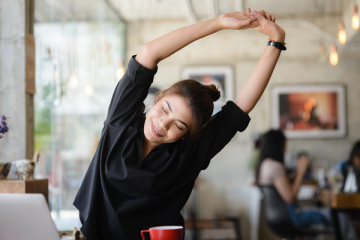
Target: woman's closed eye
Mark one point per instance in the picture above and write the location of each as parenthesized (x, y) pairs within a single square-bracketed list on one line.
[(164, 110), (178, 127)]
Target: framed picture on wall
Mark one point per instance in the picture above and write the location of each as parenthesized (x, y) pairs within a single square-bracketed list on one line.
[(221, 76), (309, 111)]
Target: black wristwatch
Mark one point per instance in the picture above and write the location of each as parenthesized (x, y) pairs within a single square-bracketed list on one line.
[(278, 45)]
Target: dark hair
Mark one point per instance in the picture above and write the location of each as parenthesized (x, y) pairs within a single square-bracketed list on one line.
[(272, 146), (355, 151), (200, 98)]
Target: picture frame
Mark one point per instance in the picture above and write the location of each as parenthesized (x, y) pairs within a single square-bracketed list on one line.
[(309, 111), (221, 76)]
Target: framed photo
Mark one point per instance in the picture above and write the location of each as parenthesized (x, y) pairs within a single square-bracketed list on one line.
[(221, 76), (309, 111)]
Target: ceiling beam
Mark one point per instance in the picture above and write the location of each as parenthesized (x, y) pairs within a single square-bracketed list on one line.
[(64, 10), (213, 8), (115, 10), (189, 11), (239, 5)]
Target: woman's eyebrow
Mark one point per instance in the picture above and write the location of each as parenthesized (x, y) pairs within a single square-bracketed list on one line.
[(183, 123), (178, 119), (168, 106)]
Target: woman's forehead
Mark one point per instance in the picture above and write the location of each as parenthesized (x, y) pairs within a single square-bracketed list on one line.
[(175, 99)]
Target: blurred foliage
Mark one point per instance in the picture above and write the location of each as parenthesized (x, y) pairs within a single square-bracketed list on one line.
[(43, 110)]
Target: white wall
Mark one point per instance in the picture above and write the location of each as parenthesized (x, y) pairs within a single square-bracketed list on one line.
[(14, 101), (224, 186)]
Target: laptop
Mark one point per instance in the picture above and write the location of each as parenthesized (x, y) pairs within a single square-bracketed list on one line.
[(26, 216)]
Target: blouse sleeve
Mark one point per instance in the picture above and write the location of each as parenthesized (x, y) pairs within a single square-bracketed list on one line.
[(220, 130), (271, 170), (130, 92), (276, 170)]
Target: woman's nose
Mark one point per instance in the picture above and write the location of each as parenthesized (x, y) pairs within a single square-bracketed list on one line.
[(164, 123)]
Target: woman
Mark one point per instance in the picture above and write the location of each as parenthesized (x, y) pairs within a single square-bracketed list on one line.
[(271, 170), (144, 168), (353, 161)]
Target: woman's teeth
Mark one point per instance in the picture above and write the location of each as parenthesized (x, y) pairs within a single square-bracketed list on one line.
[(157, 130)]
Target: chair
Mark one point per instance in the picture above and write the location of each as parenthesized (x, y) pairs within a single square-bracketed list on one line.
[(278, 217), (218, 222)]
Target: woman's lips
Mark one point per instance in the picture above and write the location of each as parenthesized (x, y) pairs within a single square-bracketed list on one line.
[(154, 130)]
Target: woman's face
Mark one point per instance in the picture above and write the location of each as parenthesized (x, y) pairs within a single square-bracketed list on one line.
[(356, 160), (168, 120)]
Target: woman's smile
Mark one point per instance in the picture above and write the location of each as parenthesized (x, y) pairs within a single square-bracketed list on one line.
[(155, 131)]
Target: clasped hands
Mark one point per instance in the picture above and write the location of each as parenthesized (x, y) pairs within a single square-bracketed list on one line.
[(261, 21)]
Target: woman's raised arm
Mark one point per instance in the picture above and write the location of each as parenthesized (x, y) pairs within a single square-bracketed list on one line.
[(254, 87), (155, 51)]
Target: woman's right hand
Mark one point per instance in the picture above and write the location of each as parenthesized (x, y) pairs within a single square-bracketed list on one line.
[(238, 20), (268, 26), (302, 164)]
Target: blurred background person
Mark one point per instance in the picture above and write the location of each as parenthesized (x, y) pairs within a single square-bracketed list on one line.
[(271, 171), (353, 161)]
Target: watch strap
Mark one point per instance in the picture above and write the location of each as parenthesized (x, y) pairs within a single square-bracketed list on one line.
[(278, 45)]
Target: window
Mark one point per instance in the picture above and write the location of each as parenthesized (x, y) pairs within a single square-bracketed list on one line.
[(78, 64)]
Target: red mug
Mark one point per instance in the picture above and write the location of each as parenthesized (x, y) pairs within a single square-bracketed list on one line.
[(164, 233)]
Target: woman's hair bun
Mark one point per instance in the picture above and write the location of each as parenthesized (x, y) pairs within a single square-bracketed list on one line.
[(213, 91)]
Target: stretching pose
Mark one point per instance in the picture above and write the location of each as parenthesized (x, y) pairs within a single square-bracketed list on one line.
[(144, 168)]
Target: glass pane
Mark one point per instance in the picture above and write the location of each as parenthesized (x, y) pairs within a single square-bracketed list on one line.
[(78, 64)]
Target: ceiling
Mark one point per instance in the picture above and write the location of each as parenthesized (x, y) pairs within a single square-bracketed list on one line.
[(317, 11), (204, 9), (133, 10)]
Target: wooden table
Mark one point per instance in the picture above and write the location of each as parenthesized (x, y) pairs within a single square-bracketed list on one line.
[(25, 186), (344, 202)]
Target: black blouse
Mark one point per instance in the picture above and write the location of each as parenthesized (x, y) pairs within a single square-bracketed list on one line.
[(121, 194)]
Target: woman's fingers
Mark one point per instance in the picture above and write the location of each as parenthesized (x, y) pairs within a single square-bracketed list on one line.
[(259, 15), (248, 19), (249, 22), (262, 12), (268, 16), (273, 18)]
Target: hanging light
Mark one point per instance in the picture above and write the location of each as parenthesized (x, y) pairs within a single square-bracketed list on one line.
[(73, 81), (88, 90), (334, 58), (355, 18), (120, 70), (342, 33)]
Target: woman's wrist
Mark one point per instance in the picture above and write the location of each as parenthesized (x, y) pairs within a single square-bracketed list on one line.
[(218, 23), (278, 36)]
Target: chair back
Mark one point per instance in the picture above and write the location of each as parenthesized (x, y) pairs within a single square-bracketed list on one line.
[(276, 213)]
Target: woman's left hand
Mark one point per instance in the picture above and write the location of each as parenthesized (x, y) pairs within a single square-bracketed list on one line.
[(267, 25), (238, 20)]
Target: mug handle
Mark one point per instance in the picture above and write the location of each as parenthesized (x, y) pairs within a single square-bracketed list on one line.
[(142, 233)]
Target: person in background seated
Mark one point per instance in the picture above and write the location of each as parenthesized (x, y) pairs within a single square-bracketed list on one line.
[(271, 170), (352, 161)]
